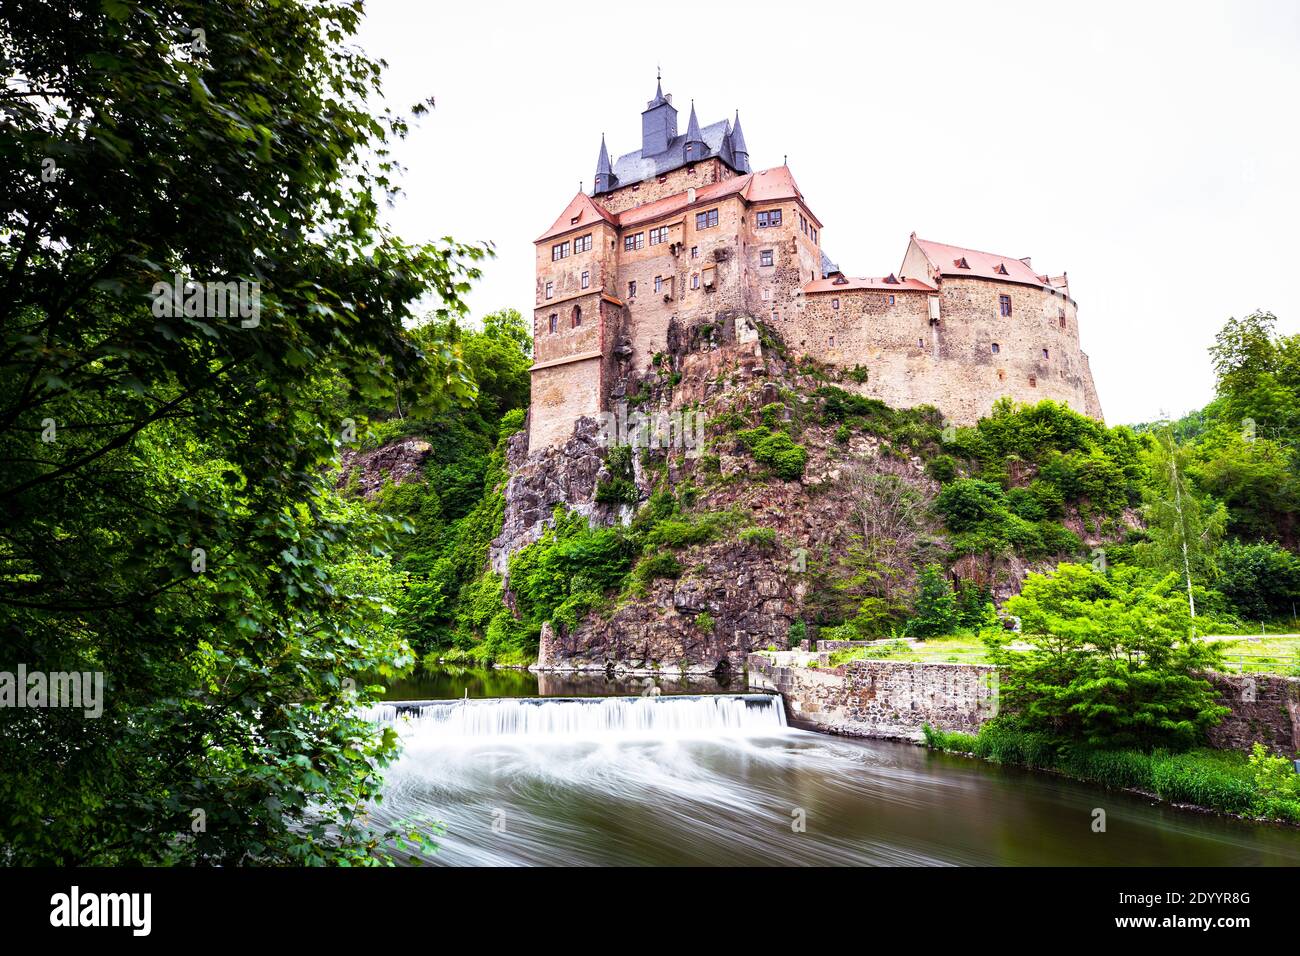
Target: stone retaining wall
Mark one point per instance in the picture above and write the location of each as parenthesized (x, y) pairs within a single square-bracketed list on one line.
[(895, 699), (879, 698), (1265, 708)]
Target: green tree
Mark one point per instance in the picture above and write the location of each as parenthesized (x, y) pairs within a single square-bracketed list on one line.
[(1183, 529), (166, 473), (1112, 660), (935, 611)]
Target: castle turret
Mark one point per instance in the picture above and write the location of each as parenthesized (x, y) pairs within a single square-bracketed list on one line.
[(694, 148), (605, 179), (658, 123), (739, 151)]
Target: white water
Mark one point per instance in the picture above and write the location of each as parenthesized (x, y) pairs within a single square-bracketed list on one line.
[(586, 718)]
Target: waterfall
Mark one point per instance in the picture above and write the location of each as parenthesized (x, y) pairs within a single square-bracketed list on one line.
[(586, 717)]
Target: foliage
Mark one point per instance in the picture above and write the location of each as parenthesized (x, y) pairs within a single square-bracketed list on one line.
[(620, 487), (1111, 663), (777, 450), (761, 538), (178, 530), (1262, 580), (934, 612)]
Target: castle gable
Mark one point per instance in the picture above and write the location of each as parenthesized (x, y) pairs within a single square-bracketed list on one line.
[(581, 211)]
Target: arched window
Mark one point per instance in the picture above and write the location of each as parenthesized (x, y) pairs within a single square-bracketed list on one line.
[(555, 321), (577, 316), (996, 348)]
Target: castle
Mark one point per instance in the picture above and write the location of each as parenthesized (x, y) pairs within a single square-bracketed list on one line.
[(683, 232)]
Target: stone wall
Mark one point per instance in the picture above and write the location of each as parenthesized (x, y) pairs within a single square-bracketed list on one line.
[(894, 699), (1265, 709), (879, 698)]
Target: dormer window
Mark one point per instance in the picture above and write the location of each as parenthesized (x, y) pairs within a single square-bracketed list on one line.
[(1001, 269), (961, 263), (574, 220)]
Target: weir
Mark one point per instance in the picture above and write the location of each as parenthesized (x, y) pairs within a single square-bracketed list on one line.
[(586, 717)]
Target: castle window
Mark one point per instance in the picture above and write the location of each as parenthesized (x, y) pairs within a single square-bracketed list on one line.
[(769, 218), (1045, 355), (831, 342), (634, 242), (835, 304), (586, 280), (695, 252), (1061, 318), (631, 289), (695, 281), (706, 220), (659, 284), (1002, 375), (889, 299), (560, 251), (813, 234), (582, 243), (658, 235), (995, 348), (1004, 304), (577, 316), (550, 290), (1033, 381), (920, 343), (765, 257), (555, 321)]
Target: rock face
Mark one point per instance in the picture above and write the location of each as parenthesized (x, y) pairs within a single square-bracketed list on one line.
[(738, 598), (558, 475), (397, 462)]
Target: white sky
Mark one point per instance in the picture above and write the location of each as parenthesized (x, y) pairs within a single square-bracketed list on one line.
[(1149, 149)]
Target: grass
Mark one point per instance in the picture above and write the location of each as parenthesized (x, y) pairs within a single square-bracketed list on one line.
[(1271, 655), (956, 649)]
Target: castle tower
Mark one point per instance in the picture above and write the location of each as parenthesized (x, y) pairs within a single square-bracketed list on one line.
[(694, 148), (605, 180), (658, 123), (739, 151)]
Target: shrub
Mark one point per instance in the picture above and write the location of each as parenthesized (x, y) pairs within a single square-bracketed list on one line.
[(942, 468), (1260, 580), (662, 564), (704, 621), (935, 610), (763, 538), (777, 450)]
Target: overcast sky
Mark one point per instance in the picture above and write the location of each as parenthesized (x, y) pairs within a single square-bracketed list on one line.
[(1149, 149)]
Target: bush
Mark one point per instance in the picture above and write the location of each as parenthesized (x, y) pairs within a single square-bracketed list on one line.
[(1260, 580), (935, 610), (777, 450), (663, 564), (762, 538), (942, 468), (704, 621)]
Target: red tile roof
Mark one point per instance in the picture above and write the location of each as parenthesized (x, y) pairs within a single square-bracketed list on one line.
[(956, 261), (883, 285), (581, 211), (764, 186)]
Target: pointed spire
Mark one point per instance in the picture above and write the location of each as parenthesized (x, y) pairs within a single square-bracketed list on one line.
[(604, 173), (694, 146), (738, 147), (659, 99)]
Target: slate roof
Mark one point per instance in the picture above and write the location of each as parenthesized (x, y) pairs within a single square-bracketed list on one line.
[(635, 168)]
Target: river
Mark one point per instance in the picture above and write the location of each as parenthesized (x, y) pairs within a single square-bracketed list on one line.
[(590, 772)]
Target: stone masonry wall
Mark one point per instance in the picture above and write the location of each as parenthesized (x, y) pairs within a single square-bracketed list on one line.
[(880, 698), (1265, 709), (894, 699)]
